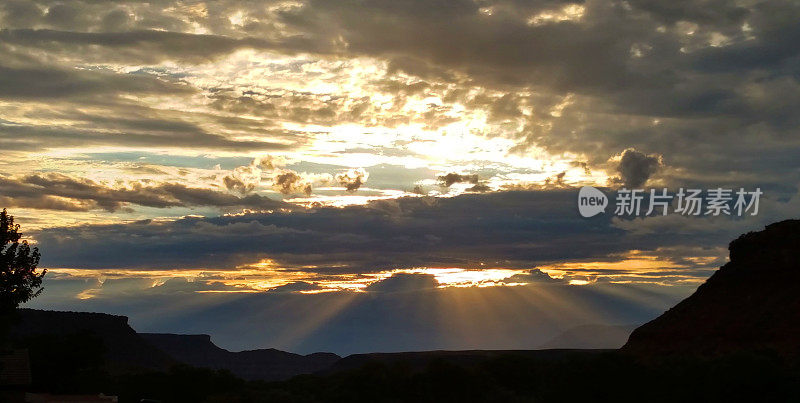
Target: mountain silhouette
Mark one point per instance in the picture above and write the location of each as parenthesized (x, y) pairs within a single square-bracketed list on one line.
[(107, 342), (751, 304), (265, 364), (120, 347)]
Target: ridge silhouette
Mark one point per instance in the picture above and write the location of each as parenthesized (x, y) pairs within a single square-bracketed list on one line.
[(752, 303)]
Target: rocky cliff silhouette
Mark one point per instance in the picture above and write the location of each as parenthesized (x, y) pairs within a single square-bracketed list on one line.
[(751, 304)]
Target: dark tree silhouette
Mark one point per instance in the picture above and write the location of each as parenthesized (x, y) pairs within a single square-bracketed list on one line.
[(19, 281)]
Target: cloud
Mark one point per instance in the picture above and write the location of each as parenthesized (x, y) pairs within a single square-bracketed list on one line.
[(243, 179), (49, 83), (296, 286), (532, 276), (480, 187), (290, 182), (18, 13), (63, 192), (404, 282), (651, 84), (147, 45), (556, 180), (453, 178), (270, 162), (137, 131), (515, 230), (636, 167), (352, 179)]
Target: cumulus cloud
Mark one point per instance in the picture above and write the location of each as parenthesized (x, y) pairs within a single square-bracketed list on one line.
[(243, 179), (290, 182), (352, 179), (270, 162), (636, 167)]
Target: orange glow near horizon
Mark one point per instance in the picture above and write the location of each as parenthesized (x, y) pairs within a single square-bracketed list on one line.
[(633, 266), (268, 275)]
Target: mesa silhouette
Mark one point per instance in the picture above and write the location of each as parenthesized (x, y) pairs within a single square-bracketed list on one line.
[(110, 343), (263, 364), (750, 304)]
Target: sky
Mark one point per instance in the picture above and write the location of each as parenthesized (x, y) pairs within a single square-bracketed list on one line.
[(387, 175)]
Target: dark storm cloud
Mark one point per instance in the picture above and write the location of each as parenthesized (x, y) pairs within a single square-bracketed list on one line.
[(453, 178), (458, 36), (636, 167), (506, 229), (404, 282), (62, 192)]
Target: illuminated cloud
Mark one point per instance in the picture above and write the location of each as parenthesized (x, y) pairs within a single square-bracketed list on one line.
[(62, 192), (352, 179), (289, 182)]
